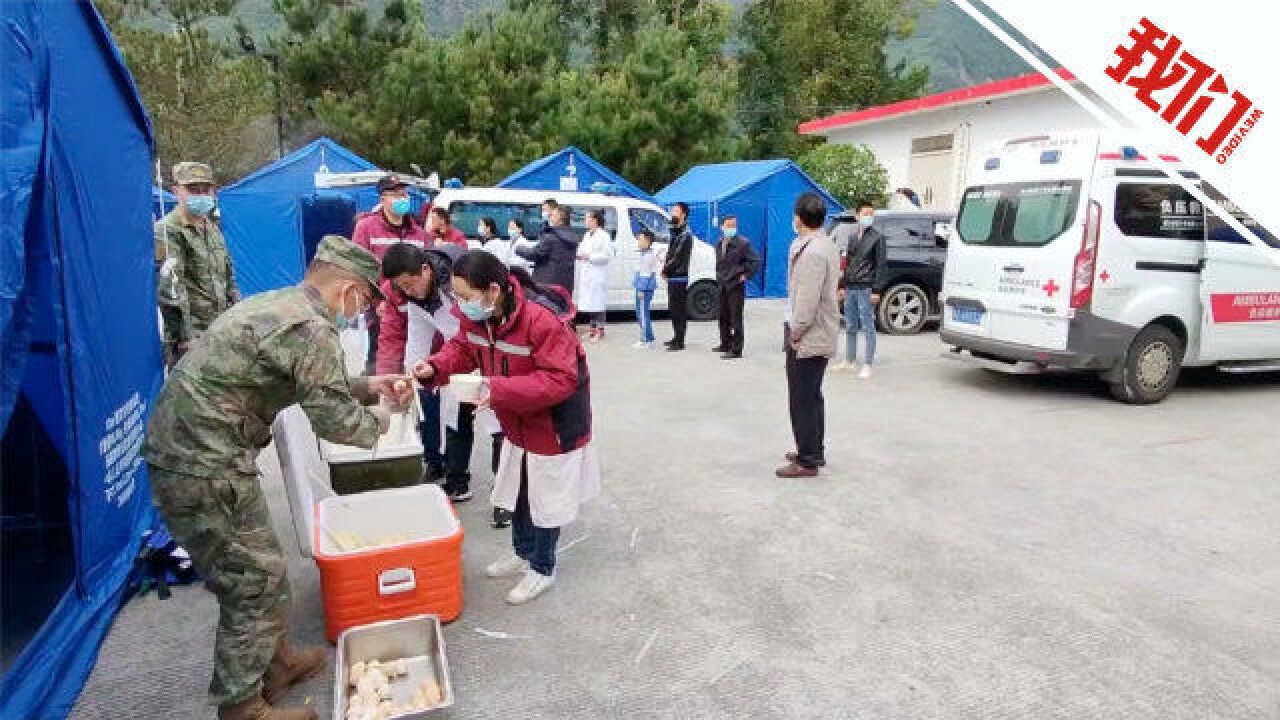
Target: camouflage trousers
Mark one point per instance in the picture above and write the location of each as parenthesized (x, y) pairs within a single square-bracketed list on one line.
[(224, 523)]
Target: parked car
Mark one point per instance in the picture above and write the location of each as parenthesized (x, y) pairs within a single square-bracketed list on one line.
[(917, 246), (624, 218), (1073, 251)]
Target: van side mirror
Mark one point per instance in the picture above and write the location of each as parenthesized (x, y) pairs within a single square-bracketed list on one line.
[(941, 233)]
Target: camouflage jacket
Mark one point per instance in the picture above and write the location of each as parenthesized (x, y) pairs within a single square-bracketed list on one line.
[(266, 353), (196, 283)]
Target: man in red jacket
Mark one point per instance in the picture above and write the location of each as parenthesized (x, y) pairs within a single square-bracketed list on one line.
[(421, 277), (389, 223), (443, 231)]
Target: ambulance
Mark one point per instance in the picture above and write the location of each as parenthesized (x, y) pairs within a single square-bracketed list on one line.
[(1073, 251)]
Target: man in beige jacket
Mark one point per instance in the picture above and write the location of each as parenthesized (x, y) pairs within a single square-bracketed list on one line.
[(813, 322)]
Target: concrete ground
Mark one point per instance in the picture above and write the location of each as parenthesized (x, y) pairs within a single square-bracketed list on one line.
[(980, 547)]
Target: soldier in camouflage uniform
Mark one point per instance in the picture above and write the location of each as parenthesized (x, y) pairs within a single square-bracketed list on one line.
[(209, 423), (195, 283)]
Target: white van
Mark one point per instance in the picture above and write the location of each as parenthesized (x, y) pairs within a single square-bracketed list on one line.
[(624, 218), (1073, 251)]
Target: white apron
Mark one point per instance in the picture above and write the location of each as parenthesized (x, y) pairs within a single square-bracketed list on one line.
[(591, 282), (558, 484), (422, 328)]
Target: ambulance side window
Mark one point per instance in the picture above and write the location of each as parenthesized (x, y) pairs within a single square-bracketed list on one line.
[(1158, 210)]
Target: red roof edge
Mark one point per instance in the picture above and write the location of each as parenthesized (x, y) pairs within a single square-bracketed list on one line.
[(995, 88)]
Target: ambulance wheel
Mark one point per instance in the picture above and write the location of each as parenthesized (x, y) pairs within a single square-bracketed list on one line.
[(704, 301), (903, 309), (1151, 367)]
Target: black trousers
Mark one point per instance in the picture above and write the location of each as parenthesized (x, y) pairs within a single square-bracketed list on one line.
[(678, 305), (808, 409), (732, 301)]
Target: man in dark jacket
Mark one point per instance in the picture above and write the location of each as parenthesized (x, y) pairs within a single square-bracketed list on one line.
[(865, 261), (736, 262), (676, 273), (555, 254)]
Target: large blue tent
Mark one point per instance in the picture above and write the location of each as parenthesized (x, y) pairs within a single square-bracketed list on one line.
[(79, 345), (263, 215), (545, 174), (760, 193)]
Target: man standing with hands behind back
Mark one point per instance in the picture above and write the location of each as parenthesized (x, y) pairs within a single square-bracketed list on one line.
[(736, 262), (196, 282), (812, 325), (676, 272)]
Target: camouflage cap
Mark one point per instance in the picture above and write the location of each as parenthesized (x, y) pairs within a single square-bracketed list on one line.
[(190, 173), (341, 252)]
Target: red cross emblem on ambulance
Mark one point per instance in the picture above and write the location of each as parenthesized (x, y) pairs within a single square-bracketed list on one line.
[(1050, 288)]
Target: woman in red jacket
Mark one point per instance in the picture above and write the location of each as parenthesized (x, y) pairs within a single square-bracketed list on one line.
[(518, 335)]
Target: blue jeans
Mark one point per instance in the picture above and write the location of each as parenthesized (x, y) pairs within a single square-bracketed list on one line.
[(535, 545), (643, 316), (859, 317), (429, 429)]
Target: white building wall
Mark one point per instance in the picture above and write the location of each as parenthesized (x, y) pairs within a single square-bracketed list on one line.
[(1032, 113)]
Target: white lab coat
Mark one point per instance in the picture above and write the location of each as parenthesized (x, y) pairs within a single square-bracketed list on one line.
[(591, 285), (496, 247), (517, 242), (558, 484)]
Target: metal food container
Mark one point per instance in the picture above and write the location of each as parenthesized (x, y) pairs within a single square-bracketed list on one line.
[(418, 639)]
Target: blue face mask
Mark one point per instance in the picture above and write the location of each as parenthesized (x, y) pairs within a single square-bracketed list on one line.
[(401, 206), (866, 220), (200, 205), (474, 310), (341, 320), (730, 232)]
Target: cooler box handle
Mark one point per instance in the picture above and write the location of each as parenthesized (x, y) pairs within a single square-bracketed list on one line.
[(396, 581)]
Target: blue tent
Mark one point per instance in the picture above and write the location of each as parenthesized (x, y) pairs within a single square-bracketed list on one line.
[(265, 214), (79, 344), (162, 201), (760, 193), (545, 174)]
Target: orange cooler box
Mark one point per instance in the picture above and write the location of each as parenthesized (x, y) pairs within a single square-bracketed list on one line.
[(388, 554)]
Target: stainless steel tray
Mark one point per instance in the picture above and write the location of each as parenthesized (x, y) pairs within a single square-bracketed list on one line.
[(418, 639)]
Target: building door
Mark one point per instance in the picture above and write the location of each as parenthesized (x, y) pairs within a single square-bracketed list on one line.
[(931, 172)]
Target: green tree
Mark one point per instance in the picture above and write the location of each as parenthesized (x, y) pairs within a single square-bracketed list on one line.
[(205, 103), (664, 106), (476, 105), (801, 59), (849, 172)]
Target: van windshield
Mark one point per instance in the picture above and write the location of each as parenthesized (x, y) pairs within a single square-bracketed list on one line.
[(1027, 214)]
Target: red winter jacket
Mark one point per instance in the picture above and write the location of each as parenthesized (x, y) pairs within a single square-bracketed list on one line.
[(539, 386), (375, 234)]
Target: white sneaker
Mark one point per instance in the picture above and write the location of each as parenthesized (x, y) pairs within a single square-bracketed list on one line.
[(530, 586), (513, 565), (865, 372), (640, 345), (843, 366)]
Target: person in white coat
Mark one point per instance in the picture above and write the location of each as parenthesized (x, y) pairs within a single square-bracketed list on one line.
[(516, 236), (591, 289), (488, 240)]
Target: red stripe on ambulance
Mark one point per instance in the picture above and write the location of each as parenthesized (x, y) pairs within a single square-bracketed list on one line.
[(1246, 307)]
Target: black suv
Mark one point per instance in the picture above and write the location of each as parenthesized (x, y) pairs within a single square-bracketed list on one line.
[(917, 244)]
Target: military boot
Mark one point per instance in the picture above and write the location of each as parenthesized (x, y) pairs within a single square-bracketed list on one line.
[(255, 708), (290, 666)]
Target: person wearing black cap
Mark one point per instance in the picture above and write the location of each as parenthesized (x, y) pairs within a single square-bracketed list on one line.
[(391, 222)]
